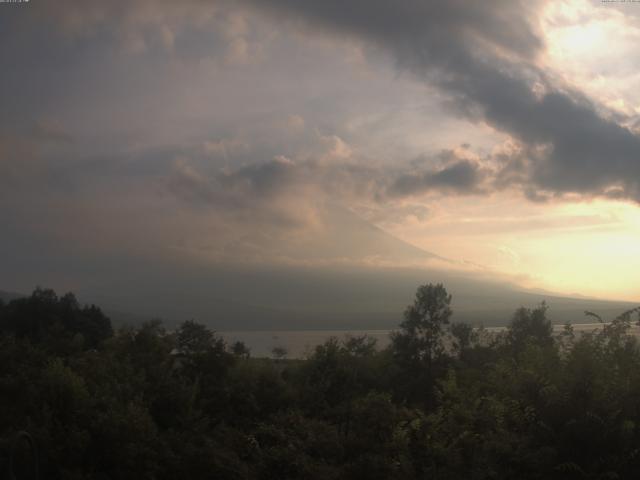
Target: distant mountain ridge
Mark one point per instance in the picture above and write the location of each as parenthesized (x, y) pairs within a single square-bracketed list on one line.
[(344, 236), (323, 299), (348, 275), (289, 298), (8, 296)]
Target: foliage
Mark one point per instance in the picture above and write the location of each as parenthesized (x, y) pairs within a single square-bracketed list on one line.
[(418, 347), (443, 401)]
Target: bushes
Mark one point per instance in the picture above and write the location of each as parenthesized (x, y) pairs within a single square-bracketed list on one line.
[(438, 403)]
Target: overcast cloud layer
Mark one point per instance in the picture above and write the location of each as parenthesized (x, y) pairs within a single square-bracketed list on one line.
[(487, 56), (241, 132)]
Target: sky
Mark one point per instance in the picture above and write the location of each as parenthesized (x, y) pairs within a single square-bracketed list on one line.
[(502, 138)]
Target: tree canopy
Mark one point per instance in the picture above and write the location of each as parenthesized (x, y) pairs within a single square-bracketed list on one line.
[(444, 400)]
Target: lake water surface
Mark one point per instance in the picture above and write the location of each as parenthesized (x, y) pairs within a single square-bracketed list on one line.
[(299, 343)]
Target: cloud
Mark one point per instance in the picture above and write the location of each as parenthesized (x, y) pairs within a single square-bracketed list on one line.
[(264, 179), (461, 177), (488, 60), (244, 186), (119, 102), (293, 192), (487, 57), (351, 180), (190, 29)]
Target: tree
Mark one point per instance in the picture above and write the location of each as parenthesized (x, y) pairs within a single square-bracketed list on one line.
[(203, 355), (360, 345), (463, 336), (418, 347), (279, 352), (193, 338), (58, 322), (530, 327), (240, 349), (420, 338)]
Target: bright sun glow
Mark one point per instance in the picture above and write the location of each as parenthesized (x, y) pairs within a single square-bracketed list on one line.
[(601, 260), (589, 248), (594, 48)]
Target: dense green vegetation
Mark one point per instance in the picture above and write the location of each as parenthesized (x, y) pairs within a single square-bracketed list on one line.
[(442, 401)]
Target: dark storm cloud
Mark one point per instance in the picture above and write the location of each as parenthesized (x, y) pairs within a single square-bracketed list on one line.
[(258, 185), (69, 80), (485, 55), (260, 195), (248, 184), (431, 29), (462, 177), (264, 179)]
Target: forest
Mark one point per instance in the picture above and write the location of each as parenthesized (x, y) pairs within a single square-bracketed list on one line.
[(81, 399)]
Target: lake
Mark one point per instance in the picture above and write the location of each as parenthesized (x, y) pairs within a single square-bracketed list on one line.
[(299, 343)]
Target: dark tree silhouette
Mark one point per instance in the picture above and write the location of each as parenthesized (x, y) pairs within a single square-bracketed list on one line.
[(530, 326), (150, 403), (419, 340)]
